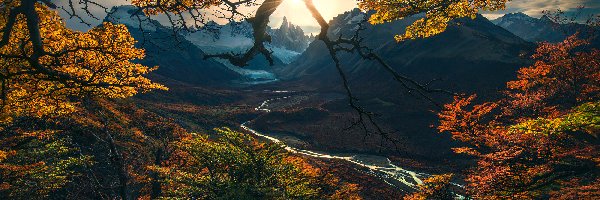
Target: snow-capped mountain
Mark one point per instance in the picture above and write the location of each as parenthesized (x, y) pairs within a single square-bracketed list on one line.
[(476, 44), (471, 56), (214, 38), (537, 29), (287, 42), (290, 37), (178, 61), (184, 60)]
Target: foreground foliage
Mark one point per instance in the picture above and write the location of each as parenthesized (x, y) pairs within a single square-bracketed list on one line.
[(541, 141), (236, 166), (434, 187), (44, 77), (437, 13), (62, 139), (46, 72)]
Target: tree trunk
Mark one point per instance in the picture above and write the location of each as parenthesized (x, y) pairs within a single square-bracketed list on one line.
[(117, 160), (156, 187)]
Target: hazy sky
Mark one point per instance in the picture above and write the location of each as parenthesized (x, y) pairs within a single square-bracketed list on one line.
[(295, 11)]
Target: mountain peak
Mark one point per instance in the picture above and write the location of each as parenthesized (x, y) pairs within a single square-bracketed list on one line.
[(545, 18), (290, 36), (535, 29), (285, 24), (517, 16), (126, 14)]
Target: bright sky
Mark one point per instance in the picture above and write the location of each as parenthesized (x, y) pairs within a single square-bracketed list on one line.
[(294, 10), (297, 13)]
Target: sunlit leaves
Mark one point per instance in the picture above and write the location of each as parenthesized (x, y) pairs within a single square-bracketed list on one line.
[(464, 123), (544, 138), (438, 13), (563, 76), (236, 166), (434, 187), (39, 167), (48, 78), (584, 118), (73, 64)]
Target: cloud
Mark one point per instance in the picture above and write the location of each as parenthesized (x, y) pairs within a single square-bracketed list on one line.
[(535, 8), (296, 12)]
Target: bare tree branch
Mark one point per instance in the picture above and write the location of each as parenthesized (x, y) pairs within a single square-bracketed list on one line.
[(354, 45), (259, 24)]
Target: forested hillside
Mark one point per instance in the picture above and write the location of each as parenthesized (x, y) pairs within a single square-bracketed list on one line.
[(235, 99)]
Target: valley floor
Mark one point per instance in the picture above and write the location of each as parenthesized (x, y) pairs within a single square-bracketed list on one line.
[(303, 122)]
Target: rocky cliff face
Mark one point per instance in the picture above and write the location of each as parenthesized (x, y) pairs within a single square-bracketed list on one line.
[(287, 42), (181, 56), (290, 36)]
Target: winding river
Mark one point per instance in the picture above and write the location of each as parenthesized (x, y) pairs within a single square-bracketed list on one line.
[(377, 166)]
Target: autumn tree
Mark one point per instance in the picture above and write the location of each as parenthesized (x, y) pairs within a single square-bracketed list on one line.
[(237, 166), (438, 13), (435, 187), (40, 166), (45, 70), (541, 140), (45, 65)]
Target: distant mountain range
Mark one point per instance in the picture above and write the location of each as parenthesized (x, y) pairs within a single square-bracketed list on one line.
[(288, 41), (538, 29), (474, 47), (181, 56), (179, 61), (475, 51), (471, 56)]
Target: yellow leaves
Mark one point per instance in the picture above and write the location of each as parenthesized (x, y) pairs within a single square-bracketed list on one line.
[(466, 150), (234, 161), (347, 191), (97, 63), (438, 13), (5, 154), (434, 187), (585, 117)]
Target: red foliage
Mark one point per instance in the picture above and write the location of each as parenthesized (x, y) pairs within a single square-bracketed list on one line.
[(562, 77), (542, 144)]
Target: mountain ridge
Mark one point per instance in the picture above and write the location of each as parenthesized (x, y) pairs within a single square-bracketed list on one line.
[(471, 56), (183, 62), (541, 29)]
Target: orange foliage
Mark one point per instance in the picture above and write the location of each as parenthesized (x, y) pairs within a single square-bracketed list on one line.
[(544, 141), (96, 63), (563, 76), (435, 187)]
